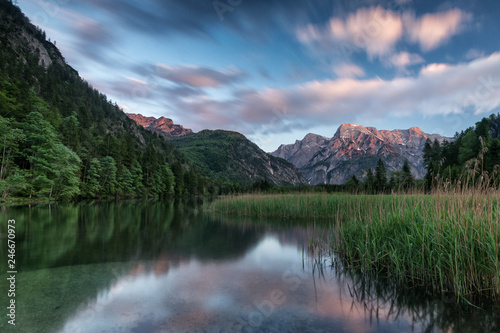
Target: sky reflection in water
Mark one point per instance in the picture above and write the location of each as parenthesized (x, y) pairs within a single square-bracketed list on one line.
[(265, 290), (164, 267)]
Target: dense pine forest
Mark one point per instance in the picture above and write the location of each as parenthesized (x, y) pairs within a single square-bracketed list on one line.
[(472, 158), (61, 138)]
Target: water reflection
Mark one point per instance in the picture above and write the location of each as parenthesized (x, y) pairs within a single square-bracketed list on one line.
[(163, 267)]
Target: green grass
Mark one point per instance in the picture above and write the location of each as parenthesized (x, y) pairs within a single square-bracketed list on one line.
[(9, 200), (445, 242)]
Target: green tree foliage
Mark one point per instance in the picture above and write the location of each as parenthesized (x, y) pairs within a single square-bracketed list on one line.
[(136, 171), (369, 184), (12, 185), (169, 181), (52, 167), (70, 131), (469, 147), (125, 183), (473, 155), (433, 154), (352, 184), (10, 138), (380, 177), (66, 167), (61, 138), (92, 185), (108, 181), (408, 179)]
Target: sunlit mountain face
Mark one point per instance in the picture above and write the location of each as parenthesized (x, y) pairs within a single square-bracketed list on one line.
[(277, 70)]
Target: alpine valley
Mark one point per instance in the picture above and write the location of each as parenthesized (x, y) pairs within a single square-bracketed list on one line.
[(353, 149), (224, 155)]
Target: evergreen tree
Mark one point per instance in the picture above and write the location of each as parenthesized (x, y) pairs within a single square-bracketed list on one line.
[(380, 176), (408, 179), (65, 171), (92, 185), (10, 138), (469, 147), (136, 172), (41, 140), (436, 151), (108, 176), (352, 184), (432, 160), (126, 182), (179, 179), (370, 181), (70, 130), (427, 153), (13, 184), (168, 176)]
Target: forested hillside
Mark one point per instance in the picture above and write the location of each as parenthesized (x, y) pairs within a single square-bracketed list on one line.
[(472, 158), (61, 138), (230, 157)]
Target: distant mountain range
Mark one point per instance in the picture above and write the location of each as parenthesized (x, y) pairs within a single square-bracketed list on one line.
[(162, 125), (231, 157), (224, 155), (353, 149)]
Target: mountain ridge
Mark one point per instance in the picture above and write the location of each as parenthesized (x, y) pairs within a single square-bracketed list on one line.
[(162, 125), (355, 148), (229, 156)]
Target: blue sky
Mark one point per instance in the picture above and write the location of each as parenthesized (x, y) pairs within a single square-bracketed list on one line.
[(276, 70)]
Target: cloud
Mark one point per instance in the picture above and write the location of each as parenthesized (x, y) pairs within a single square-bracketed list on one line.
[(437, 89), (349, 71), (432, 30), (377, 31), (404, 59), (86, 38), (201, 77), (373, 29), (474, 54), (251, 19)]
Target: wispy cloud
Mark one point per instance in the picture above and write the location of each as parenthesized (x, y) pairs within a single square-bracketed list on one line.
[(377, 30), (349, 71), (474, 54), (404, 59), (373, 29), (437, 89), (196, 76), (432, 30)]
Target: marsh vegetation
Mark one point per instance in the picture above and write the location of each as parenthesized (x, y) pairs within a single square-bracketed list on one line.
[(448, 241)]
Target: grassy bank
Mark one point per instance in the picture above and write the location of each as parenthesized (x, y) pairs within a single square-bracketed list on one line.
[(449, 243)]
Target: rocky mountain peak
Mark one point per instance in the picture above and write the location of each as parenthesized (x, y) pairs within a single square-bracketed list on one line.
[(355, 148), (166, 121), (350, 130), (416, 130), (162, 125)]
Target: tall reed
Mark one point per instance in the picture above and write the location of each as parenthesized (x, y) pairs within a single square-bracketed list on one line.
[(447, 241)]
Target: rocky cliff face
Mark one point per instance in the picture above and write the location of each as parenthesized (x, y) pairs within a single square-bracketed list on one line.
[(353, 149), (164, 126)]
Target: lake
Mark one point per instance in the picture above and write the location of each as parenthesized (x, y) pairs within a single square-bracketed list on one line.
[(150, 266)]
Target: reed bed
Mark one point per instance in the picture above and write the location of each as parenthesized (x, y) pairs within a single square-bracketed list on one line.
[(448, 242)]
